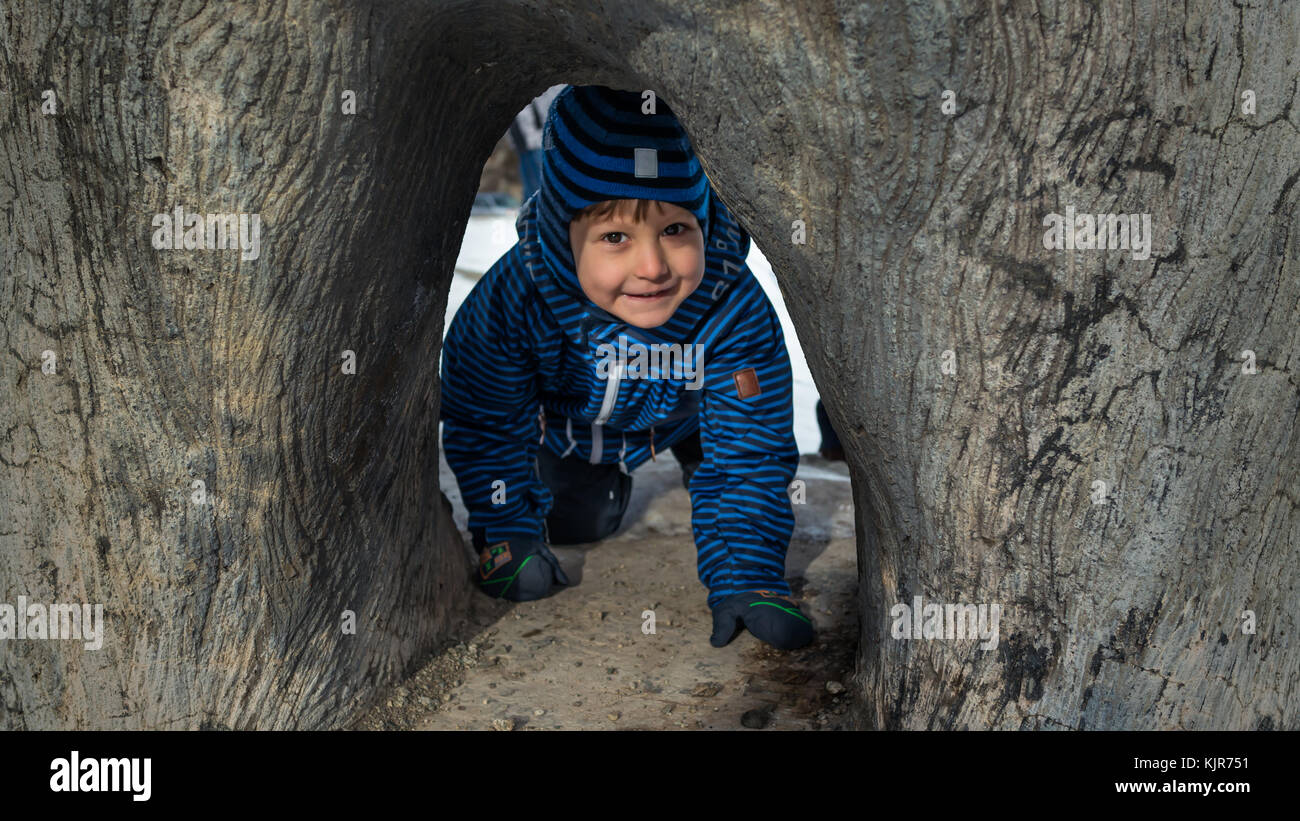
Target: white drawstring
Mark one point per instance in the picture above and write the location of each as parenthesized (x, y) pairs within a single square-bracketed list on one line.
[(568, 431), (621, 464)]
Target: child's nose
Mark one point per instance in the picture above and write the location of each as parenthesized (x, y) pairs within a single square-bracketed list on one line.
[(653, 263)]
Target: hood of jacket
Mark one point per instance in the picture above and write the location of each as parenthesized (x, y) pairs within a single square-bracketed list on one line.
[(599, 144)]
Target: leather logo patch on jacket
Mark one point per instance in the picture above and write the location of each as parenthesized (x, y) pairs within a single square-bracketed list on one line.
[(746, 383)]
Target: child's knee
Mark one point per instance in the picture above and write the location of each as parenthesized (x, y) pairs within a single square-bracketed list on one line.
[(590, 501)]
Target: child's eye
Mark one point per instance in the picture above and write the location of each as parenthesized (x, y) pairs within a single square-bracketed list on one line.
[(681, 228)]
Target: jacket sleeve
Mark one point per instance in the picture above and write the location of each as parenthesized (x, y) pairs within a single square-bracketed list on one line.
[(490, 405), (741, 513)]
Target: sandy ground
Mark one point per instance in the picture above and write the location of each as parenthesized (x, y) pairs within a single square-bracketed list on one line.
[(581, 659)]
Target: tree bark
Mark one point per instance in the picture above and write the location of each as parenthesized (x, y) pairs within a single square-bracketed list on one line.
[(924, 249)]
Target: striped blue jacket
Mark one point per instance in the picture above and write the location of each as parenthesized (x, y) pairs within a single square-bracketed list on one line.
[(525, 346)]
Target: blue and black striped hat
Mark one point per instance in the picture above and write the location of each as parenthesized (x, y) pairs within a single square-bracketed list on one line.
[(598, 145)]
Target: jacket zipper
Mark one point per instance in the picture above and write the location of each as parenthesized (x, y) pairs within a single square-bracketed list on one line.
[(606, 408)]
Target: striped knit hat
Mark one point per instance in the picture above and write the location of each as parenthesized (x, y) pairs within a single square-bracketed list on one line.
[(597, 145)]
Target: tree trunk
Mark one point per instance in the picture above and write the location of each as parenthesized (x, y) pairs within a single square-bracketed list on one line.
[(981, 383)]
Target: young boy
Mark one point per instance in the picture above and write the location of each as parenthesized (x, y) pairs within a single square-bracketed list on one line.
[(627, 313)]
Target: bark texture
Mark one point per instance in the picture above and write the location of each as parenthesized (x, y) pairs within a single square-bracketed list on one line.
[(924, 246)]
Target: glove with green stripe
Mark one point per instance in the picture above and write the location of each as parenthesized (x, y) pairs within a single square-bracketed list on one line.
[(518, 570), (771, 617)]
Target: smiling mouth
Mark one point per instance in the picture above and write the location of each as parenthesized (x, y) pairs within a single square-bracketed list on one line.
[(653, 295)]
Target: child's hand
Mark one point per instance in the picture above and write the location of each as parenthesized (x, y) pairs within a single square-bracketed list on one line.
[(771, 617), (519, 570)]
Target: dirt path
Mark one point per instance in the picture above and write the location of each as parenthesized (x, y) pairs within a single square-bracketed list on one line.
[(580, 659)]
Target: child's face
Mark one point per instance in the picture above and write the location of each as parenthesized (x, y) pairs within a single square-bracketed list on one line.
[(639, 272)]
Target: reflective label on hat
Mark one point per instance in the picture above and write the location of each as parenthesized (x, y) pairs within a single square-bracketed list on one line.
[(647, 162)]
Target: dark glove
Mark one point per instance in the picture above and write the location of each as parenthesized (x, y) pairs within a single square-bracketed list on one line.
[(771, 617), (519, 570)]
